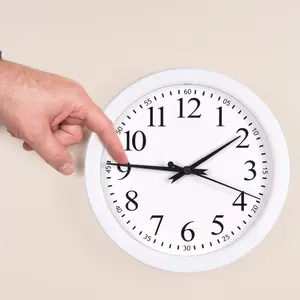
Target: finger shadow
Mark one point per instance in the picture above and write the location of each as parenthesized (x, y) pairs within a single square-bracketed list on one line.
[(79, 154)]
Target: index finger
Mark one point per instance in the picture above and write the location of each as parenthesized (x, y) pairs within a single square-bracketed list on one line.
[(99, 123)]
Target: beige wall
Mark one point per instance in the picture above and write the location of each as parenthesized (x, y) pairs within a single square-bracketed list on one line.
[(51, 246)]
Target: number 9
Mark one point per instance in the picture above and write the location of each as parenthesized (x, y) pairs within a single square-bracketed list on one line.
[(127, 171)]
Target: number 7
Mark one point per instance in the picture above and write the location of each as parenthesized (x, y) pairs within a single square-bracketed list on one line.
[(158, 217)]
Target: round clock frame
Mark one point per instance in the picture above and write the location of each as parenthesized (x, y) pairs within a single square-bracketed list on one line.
[(254, 235)]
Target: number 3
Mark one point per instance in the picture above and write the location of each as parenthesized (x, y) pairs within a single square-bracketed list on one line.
[(251, 169)]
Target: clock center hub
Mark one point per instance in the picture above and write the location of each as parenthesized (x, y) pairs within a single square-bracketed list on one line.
[(187, 170)]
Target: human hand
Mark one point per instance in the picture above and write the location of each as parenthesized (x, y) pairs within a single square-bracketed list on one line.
[(48, 112)]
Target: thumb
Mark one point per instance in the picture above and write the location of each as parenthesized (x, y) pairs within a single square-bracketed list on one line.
[(53, 152)]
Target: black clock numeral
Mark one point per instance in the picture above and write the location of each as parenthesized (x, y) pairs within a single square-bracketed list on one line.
[(131, 205), (192, 114), (252, 170), (242, 204), (133, 141), (127, 171), (215, 221), (246, 135), (185, 231), (161, 123), (159, 223), (220, 109)]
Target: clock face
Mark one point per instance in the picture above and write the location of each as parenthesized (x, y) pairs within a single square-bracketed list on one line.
[(193, 215), (201, 173)]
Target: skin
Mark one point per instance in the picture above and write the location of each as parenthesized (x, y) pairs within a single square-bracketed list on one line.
[(49, 112)]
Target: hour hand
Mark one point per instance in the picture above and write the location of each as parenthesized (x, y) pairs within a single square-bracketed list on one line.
[(170, 168)]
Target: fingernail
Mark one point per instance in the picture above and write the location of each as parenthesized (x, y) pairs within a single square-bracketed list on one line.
[(67, 169)]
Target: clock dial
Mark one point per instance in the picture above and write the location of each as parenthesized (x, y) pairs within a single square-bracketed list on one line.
[(199, 173)]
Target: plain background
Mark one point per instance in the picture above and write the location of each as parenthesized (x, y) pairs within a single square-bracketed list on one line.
[(51, 246)]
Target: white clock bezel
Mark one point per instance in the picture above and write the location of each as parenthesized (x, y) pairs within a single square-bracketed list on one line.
[(254, 235)]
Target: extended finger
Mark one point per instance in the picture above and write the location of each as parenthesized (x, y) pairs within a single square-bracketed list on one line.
[(103, 127)]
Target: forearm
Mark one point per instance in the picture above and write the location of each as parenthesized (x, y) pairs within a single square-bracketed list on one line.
[(10, 83)]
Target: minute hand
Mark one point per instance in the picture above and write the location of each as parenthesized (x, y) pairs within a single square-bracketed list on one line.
[(203, 159)]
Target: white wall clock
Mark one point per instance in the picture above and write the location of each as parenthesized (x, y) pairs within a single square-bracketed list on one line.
[(208, 171)]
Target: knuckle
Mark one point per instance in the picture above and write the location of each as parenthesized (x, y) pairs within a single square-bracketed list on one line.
[(107, 125), (78, 138)]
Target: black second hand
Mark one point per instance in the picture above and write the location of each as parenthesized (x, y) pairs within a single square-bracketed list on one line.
[(224, 184)]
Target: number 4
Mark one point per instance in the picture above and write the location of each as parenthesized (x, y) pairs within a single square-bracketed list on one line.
[(242, 204)]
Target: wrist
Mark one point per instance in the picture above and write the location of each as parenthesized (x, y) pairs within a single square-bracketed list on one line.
[(8, 77)]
